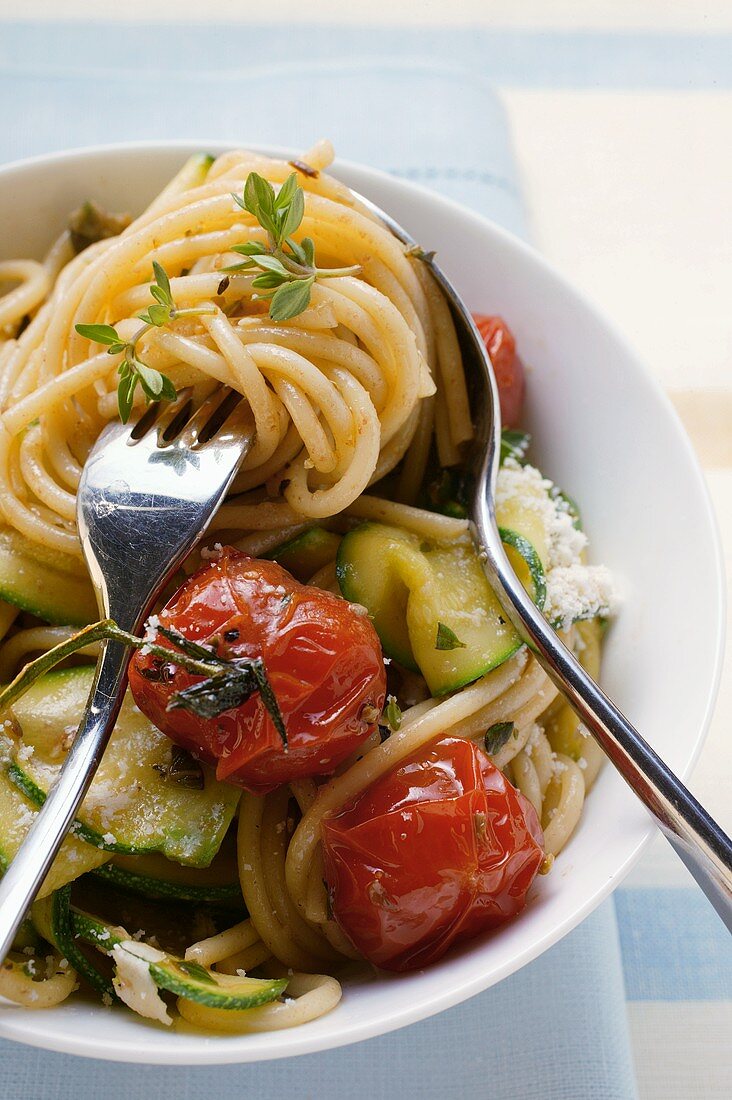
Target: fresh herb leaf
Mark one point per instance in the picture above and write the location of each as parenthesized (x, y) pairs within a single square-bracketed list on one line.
[(162, 289), (286, 267), (195, 970), (291, 300), (230, 678), (497, 736), (450, 492), (100, 334), (447, 639), (251, 248), (308, 247), (132, 371), (183, 770), (514, 444), (225, 690), (393, 713)]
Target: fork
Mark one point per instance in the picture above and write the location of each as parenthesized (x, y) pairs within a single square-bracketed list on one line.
[(697, 839), (147, 492)]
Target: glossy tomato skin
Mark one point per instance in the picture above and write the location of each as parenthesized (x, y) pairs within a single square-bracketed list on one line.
[(322, 658), (507, 366), (438, 850)]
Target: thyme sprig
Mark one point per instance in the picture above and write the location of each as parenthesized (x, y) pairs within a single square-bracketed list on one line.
[(227, 683), (132, 370), (287, 268)]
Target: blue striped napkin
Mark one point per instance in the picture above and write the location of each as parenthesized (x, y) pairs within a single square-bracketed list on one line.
[(557, 1030)]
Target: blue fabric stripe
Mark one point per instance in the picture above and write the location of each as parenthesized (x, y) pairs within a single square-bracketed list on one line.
[(674, 946), (561, 59)]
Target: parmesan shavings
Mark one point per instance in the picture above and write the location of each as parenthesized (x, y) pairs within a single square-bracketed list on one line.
[(133, 983)]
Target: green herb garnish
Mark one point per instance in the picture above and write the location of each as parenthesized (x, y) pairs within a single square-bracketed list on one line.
[(226, 684), (194, 970), (497, 736), (287, 268), (393, 713), (182, 771), (447, 639), (514, 444), (450, 492), (132, 371)]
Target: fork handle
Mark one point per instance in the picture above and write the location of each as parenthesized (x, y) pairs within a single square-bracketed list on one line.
[(696, 837), (25, 874)]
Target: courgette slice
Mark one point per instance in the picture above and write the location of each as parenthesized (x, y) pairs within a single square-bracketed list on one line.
[(131, 808), (50, 584), (53, 919), (431, 603), (17, 813), (378, 566), (180, 976), (306, 553), (95, 931), (207, 987), (526, 564), (154, 876)]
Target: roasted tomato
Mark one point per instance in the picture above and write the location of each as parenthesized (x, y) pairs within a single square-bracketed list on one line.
[(439, 849), (322, 658), (507, 366)]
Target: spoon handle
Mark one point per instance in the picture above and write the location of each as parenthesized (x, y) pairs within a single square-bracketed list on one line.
[(697, 838)]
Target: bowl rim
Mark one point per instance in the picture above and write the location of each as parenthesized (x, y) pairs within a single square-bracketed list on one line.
[(297, 1040)]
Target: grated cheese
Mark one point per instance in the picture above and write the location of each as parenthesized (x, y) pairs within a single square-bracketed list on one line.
[(577, 592)]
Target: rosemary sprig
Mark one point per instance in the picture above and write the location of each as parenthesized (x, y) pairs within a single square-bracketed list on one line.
[(287, 268), (132, 371), (227, 683)]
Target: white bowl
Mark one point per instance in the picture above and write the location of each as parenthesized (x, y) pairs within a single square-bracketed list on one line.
[(606, 433)]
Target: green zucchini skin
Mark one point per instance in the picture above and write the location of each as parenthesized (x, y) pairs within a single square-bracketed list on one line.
[(306, 553), (64, 935), (48, 583), (195, 983), (227, 895), (512, 540), (96, 932), (129, 809)]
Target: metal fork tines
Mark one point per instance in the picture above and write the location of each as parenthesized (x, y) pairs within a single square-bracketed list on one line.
[(147, 493)]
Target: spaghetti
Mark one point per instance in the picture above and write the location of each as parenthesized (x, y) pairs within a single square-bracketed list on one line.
[(355, 398)]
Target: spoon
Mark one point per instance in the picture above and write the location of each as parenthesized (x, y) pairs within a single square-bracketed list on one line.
[(695, 836)]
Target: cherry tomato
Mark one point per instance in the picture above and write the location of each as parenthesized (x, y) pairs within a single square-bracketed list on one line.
[(438, 850), (323, 661), (507, 366)]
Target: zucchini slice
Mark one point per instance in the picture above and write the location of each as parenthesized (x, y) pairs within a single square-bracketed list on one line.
[(130, 807), (53, 919), (17, 813), (431, 604), (50, 584), (378, 566), (94, 931), (207, 987), (154, 876), (306, 553), (526, 564), (180, 976)]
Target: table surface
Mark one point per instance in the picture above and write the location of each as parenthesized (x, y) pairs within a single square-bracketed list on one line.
[(628, 193)]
